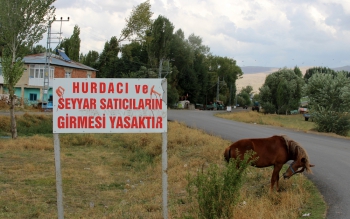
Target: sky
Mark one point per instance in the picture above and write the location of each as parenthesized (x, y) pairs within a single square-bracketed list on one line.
[(268, 33)]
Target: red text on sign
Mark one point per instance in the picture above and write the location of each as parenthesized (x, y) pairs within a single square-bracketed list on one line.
[(79, 122), (132, 104), (144, 88), (100, 87), (76, 103), (139, 122)]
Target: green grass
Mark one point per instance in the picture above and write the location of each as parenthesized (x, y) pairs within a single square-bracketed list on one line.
[(315, 206)]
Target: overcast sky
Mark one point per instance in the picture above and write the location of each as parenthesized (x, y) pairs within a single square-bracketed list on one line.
[(270, 33)]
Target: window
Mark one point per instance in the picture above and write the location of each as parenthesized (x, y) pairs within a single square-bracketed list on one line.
[(88, 75), (68, 75), (37, 71), (32, 97)]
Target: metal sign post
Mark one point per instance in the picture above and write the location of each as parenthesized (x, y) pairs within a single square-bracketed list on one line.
[(58, 176), (165, 160)]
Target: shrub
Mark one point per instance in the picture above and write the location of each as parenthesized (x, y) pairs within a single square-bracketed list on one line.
[(268, 108), (328, 121), (217, 189), (329, 102), (29, 124), (5, 124)]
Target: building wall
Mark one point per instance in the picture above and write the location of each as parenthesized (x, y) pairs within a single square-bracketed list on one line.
[(27, 85), (25, 77), (28, 91), (18, 91), (60, 72)]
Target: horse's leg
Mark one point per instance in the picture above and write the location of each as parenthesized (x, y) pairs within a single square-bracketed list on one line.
[(275, 176)]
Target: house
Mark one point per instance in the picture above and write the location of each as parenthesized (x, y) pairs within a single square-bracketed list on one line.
[(30, 87)]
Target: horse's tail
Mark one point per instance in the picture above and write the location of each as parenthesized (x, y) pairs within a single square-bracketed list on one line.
[(227, 154)]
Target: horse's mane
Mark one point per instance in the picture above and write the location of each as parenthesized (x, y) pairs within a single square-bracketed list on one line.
[(295, 148)]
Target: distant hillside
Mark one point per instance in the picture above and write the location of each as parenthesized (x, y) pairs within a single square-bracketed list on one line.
[(255, 75), (344, 68), (260, 69), (257, 69)]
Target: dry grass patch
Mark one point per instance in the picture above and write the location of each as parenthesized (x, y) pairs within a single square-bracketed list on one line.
[(35, 142), (295, 122), (119, 176)]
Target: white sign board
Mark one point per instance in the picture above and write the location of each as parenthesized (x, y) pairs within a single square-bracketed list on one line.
[(94, 105)]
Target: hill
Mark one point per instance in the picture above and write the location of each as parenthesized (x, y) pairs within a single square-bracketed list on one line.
[(257, 69), (255, 75), (344, 68)]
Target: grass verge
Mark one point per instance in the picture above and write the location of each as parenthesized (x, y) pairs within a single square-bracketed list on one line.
[(119, 176), (295, 122)]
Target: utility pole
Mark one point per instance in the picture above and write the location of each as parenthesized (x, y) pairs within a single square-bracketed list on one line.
[(217, 90), (230, 94), (44, 104), (218, 87), (47, 73), (160, 68)]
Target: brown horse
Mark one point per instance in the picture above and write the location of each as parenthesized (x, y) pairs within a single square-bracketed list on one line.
[(276, 151)]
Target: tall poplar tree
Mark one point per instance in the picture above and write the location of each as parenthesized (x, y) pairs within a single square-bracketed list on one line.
[(162, 34), (137, 24), (74, 44), (21, 25), (71, 45)]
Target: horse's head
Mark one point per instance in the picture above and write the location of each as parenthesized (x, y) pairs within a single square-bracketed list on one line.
[(298, 166), (301, 160)]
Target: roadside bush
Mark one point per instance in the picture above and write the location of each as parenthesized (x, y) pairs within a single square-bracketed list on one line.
[(5, 124), (29, 124), (335, 122), (268, 108), (329, 102), (217, 189)]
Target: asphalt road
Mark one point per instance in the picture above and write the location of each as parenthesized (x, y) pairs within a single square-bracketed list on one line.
[(331, 155)]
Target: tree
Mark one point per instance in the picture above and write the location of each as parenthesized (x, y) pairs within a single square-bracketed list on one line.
[(298, 72), (286, 81), (228, 72), (283, 100), (133, 61), (91, 59), (248, 89), (180, 54), (329, 102), (2, 45), (266, 99), (71, 45), (108, 60), (256, 97), (74, 44), (20, 26), (195, 77), (136, 30), (243, 99), (137, 24), (314, 70), (244, 96), (162, 33), (38, 49)]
